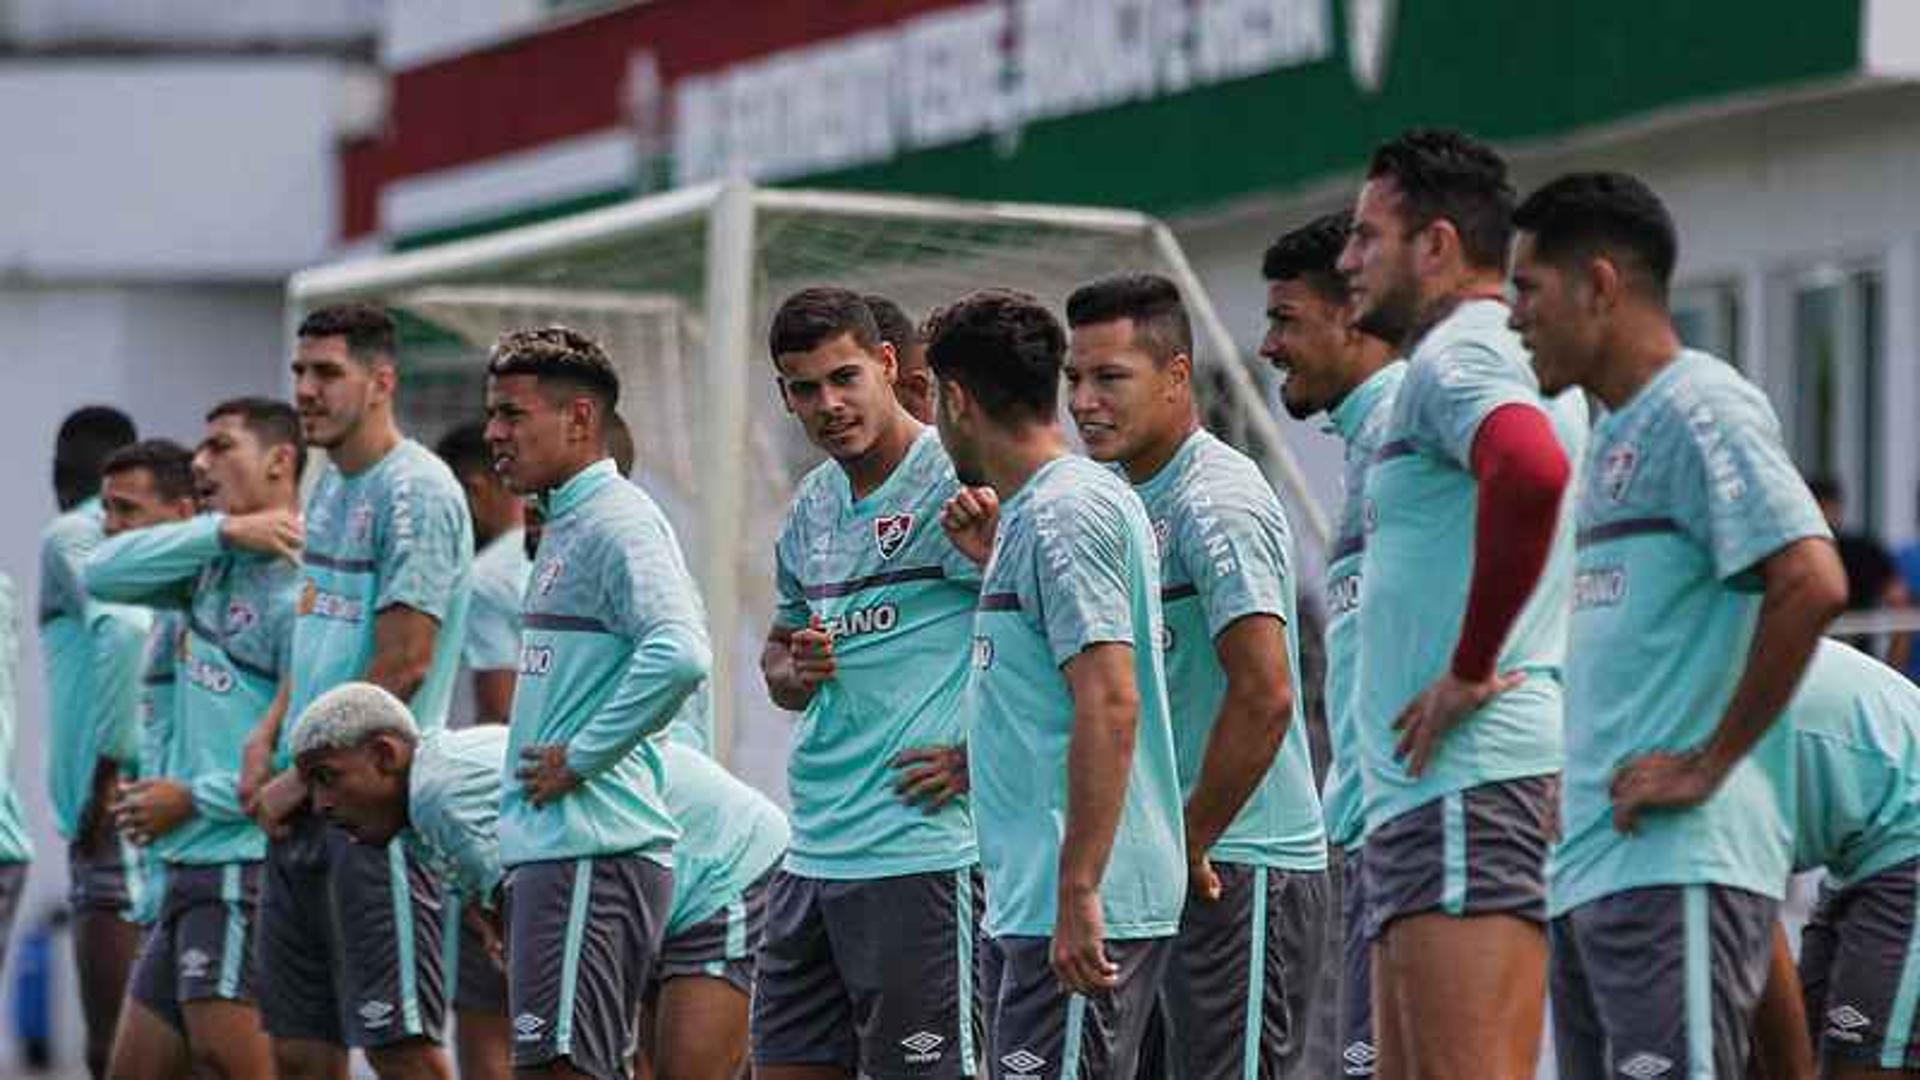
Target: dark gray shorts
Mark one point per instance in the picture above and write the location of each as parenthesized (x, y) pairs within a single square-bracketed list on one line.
[(101, 876), (583, 936), (1860, 970), (1038, 1031), (876, 977), (1358, 1053), (1659, 982), (721, 946), (1239, 984), (200, 948), (13, 885), (479, 985), (1482, 851), (348, 942)]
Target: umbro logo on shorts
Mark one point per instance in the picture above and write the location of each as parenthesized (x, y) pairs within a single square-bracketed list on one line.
[(1844, 1023), (1645, 1066), (376, 1014), (1023, 1065), (923, 1048), (1359, 1058), (194, 964), (527, 1027)]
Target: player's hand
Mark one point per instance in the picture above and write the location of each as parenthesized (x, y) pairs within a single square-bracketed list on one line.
[(1439, 709), (970, 519), (277, 801), (1202, 883), (1660, 781), (484, 926), (268, 532), (1079, 953), (931, 776), (544, 773), (145, 810), (810, 651), (256, 768)]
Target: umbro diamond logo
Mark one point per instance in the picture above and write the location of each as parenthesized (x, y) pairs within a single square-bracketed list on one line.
[(1359, 1058), (1023, 1065), (923, 1048), (1645, 1066), (527, 1027), (1844, 1023), (194, 964), (376, 1014)]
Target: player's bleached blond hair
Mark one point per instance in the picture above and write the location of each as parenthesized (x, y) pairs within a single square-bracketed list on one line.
[(350, 714)]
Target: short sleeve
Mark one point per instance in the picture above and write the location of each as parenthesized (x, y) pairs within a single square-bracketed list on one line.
[(1450, 394), (792, 610), (493, 628), (1740, 496), (1084, 575), (424, 548), (1238, 553)]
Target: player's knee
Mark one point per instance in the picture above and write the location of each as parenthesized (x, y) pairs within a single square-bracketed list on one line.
[(415, 1059), (297, 1062)]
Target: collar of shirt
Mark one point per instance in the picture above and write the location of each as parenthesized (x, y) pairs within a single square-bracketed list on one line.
[(580, 488), (1354, 408)]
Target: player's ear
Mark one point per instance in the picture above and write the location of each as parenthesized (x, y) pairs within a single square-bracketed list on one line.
[(1180, 369), (1603, 281), (889, 358)]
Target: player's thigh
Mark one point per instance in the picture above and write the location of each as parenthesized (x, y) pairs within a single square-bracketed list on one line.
[(146, 1046), (1469, 992), (483, 1044), (1872, 995), (700, 1027), (904, 948), (226, 1041)]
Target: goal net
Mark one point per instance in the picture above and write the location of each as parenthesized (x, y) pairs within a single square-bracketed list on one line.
[(679, 287)]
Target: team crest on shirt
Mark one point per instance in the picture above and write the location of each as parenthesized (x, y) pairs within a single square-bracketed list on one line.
[(241, 617), (1616, 470), (549, 575), (890, 532)]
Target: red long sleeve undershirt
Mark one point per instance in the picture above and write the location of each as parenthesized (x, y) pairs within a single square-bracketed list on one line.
[(1522, 473)]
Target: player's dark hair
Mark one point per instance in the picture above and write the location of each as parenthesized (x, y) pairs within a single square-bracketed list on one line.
[(564, 360), (814, 316), (274, 423), (1160, 323), (88, 436), (1446, 174), (464, 449), (368, 328), (169, 463), (1310, 255), (1825, 488), (1005, 349), (620, 443), (1582, 215), (894, 326)]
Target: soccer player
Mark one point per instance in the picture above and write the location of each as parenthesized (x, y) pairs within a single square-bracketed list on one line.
[(16, 847), (1705, 577), (867, 965), (91, 653), (492, 648), (1462, 620), (1075, 790), (912, 379), (1240, 981), (1335, 368), (232, 577), (387, 552), (613, 642)]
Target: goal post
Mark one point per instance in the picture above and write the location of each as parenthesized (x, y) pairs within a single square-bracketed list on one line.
[(679, 286)]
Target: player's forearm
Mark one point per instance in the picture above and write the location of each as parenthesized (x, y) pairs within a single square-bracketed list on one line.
[(400, 671), (154, 566), (1099, 761), (666, 668), (1805, 590), (1247, 735)]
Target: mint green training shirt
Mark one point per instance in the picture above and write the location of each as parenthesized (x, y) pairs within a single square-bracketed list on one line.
[(238, 610), (1688, 487), (1422, 500), (1361, 421), (880, 575), (395, 534), (1856, 741), (613, 640), (1226, 552), (1073, 566), (92, 655)]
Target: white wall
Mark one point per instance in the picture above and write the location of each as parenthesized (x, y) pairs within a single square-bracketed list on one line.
[(44, 23)]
